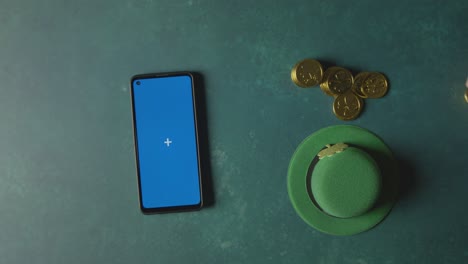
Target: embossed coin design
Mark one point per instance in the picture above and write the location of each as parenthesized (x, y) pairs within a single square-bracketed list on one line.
[(339, 81), (347, 106), (375, 85), (325, 80), (358, 82), (307, 73)]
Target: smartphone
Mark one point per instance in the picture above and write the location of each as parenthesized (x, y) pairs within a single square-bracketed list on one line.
[(166, 142)]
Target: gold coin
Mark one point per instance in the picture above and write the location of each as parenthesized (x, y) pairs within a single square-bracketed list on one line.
[(347, 106), (324, 83), (339, 81), (375, 85), (307, 73), (358, 82)]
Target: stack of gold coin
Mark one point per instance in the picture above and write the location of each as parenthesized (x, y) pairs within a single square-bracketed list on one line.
[(370, 85), (347, 106), (307, 73), (348, 91), (336, 81)]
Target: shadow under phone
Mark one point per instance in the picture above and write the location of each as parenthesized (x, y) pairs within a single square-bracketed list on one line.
[(203, 136)]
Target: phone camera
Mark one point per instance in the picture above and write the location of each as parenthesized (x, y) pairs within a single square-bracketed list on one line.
[(138, 83)]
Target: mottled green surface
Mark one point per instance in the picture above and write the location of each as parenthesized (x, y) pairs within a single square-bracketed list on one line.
[(68, 189)]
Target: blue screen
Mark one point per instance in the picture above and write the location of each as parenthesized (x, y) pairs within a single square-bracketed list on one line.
[(166, 141)]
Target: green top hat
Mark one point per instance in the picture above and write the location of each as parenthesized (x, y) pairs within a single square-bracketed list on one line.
[(342, 180)]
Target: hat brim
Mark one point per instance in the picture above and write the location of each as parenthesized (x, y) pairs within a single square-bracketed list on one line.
[(297, 179)]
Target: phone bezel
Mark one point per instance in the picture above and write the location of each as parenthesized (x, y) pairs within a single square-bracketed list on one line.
[(135, 138)]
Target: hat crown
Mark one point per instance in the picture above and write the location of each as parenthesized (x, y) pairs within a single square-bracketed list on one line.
[(346, 183)]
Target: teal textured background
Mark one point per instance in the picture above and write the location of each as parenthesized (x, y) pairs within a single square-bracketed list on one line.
[(68, 191)]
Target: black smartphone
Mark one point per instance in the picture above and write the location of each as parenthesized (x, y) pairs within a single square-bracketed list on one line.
[(166, 142)]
